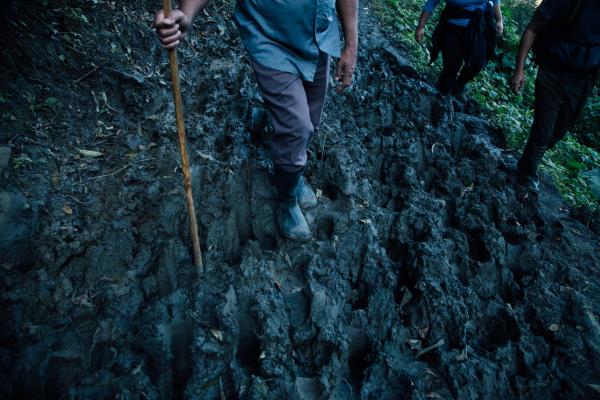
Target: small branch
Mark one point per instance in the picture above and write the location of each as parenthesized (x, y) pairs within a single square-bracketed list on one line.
[(430, 348), (106, 175), (86, 75)]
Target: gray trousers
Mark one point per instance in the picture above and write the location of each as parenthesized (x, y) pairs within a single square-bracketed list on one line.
[(559, 99), (295, 106)]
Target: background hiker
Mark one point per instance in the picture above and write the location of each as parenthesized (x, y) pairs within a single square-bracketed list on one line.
[(290, 44), (565, 36), (466, 36)]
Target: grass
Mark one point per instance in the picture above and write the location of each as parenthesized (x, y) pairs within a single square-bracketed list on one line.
[(506, 110)]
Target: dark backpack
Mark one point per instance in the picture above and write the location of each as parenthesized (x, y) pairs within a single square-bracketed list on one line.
[(555, 49)]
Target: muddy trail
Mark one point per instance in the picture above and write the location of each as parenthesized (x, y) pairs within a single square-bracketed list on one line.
[(426, 277)]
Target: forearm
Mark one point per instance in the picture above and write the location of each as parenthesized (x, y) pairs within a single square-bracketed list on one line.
[(423, 19), (497, 12), (348, 13), (536, 24), (524, 46), (191, 8)]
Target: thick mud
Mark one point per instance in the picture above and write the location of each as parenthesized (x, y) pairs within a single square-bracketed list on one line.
[(426, 277)]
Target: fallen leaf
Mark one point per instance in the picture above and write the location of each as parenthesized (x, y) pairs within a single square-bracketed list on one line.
[(205, 156), (67, 209), (83, 300), (462, 356), (217, 334), (415, 344), (90, 153), (55, 178), (434, 395), (554, 327), (594, 387)]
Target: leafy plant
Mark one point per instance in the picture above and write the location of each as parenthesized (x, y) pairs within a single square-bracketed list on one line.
[(35, 105)]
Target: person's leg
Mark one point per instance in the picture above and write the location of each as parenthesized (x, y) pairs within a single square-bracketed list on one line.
[(549, 102), (476, 61), (316, 91), (315, 96), (286, 102), (576, 89), (453, 54)]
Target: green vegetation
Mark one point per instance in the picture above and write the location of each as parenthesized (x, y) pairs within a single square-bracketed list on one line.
[(513, 113)]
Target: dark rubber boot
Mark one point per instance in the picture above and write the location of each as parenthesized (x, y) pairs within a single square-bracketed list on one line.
[(530, 183), (459, 91), (292, 223), (306, 196)]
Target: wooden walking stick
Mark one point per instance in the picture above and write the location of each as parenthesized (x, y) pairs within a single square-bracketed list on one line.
[(187, 181)]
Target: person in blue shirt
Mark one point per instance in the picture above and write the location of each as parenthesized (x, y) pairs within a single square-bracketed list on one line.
[(289, 43), (466, 38)]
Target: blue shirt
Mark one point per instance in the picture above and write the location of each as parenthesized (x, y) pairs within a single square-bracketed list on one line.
[(469, 5), (287, 35)]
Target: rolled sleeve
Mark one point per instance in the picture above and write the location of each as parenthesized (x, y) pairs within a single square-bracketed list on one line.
[(430, 5)]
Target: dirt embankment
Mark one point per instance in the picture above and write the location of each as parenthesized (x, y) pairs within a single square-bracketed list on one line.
[(426, 277)]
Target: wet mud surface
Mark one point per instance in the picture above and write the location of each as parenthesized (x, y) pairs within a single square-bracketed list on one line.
[(426, 278)]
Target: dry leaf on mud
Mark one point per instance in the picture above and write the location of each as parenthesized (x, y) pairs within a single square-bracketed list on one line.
[(206, 156), (67, 209), (462, 356), (55, 178), (90, 153), (217, 334), (594, 387), (415, 344), (83, 300), (434, 395)]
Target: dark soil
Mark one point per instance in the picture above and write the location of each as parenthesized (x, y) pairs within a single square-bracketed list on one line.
[(427, 277)]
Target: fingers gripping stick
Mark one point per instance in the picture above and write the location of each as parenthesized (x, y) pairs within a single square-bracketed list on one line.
[(187, 181)]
